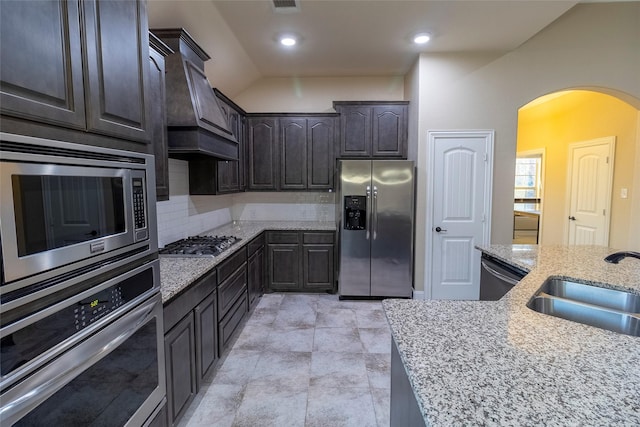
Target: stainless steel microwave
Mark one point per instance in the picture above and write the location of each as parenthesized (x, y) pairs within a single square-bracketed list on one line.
[(67, 207)]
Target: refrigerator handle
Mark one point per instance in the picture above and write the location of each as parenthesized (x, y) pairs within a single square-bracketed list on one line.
[(368, 226), (375, 212)]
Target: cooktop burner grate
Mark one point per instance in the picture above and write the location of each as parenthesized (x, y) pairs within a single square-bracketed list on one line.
[(199, 246)]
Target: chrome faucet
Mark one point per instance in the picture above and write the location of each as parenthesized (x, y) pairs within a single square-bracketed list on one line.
[(616, 257)]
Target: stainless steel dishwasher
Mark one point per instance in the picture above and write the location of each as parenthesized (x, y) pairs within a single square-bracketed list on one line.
[(497, 278)]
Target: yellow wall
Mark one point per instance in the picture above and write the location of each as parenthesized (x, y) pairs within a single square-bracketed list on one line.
[(575, 117)]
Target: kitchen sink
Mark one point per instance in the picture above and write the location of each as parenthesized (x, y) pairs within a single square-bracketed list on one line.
[(610, 309)]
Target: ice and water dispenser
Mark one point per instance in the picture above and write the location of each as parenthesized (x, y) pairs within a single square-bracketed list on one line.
[(355, 212)]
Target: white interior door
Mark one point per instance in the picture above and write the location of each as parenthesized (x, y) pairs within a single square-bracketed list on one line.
[(461, 165), (590, 171)]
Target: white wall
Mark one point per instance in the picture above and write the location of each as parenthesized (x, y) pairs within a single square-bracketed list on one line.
[(316, 94), (183, 215), (591, 46)]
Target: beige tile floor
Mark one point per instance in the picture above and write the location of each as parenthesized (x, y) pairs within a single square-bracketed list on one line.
[(302, 360)]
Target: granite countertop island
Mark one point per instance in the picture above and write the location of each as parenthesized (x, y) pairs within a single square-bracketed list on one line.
[(501, 363), (177, 273)]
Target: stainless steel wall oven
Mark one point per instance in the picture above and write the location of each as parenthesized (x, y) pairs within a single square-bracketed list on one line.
[(81, 330)]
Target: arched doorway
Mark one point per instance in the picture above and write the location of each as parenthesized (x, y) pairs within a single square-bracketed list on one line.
[(549, 124)]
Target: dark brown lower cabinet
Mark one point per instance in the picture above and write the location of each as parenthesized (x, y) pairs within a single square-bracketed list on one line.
[(232, 297), (180, 356), (284, 267), (318, 266), (255, 276), (206, 317), (190, 342), (229, 324), (300, 261)]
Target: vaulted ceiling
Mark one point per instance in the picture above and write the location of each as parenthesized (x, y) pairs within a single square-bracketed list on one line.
[(346, 37)]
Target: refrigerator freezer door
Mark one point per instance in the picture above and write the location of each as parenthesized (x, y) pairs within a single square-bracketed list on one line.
[(392, 228), (355, 255)]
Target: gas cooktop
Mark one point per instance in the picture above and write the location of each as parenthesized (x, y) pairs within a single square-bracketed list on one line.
[(203, 246)]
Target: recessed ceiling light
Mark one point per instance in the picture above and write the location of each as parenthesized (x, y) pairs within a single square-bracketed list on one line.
[(288, 40), (421, 38)]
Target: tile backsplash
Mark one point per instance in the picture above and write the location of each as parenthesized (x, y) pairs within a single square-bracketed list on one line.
[(184, 215)]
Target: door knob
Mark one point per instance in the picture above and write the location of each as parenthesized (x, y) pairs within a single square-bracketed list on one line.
[(572, 218), (438, 229)]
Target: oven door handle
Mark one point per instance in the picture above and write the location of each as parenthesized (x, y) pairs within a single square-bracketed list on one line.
[(42, 384)]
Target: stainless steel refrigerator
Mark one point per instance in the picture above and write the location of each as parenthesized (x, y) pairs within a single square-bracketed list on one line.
[(375, 222)]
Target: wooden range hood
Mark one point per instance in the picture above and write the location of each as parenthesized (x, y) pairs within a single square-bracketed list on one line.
[(195, 122)]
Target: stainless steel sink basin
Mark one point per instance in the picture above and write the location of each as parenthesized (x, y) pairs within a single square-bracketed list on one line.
[(609, 309)]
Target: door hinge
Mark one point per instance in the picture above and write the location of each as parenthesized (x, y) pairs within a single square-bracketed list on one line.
[(486, 157), (607, 159), (604, 212)]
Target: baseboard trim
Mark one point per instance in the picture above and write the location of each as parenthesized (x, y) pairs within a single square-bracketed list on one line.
[(418, 294)]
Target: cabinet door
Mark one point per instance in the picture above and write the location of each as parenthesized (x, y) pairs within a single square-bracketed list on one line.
[(41, 62), (320, 157), (206, 336), (233, 180), (262, 152), (293, 153), (179, 349), (318, 267), (284, 267), (389, 137), (159, 122), (355, 131), (255, 267), (117, 69)]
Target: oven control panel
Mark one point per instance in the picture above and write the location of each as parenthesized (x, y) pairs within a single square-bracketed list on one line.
[(99, 305), (29, 342)]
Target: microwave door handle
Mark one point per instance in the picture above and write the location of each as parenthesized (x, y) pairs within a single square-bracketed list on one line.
[(368, 207)]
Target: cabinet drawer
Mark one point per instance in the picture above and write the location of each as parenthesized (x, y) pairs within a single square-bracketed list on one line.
[(255, 244), (231, 264), (283, 237), (230, 289), (230, 323), (321, 238)]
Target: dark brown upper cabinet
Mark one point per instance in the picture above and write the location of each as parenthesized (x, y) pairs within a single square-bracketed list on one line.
[(117, 52), (373, 129), (231, 174), (292, 151), (77, 66), (320, 156), (157, 92), (41, 64), (262, 150)]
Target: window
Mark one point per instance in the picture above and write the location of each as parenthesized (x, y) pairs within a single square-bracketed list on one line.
[(527, 185)]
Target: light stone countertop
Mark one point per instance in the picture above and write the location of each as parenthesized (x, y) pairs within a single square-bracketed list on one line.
[(501, 363), (177, 273)]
